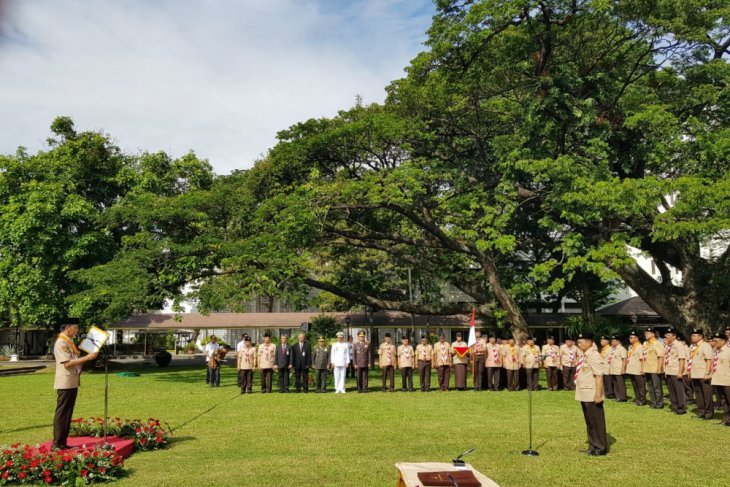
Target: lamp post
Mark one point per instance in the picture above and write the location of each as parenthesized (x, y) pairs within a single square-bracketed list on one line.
[(347, 324)]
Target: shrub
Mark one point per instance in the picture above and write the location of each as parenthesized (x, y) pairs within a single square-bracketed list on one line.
[(163, 358)]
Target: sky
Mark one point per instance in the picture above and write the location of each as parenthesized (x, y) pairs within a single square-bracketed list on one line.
[(219, 77)]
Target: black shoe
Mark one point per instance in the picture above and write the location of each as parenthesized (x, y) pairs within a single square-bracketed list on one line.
[(597, 453), (680, 413)]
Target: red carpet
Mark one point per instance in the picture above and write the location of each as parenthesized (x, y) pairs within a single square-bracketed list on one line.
[(122, 446)]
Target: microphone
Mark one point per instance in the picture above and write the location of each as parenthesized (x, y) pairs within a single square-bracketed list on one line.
[(458, 462), (453, 482)]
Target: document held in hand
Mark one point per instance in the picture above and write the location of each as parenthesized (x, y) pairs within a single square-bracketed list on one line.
[(95, 339)]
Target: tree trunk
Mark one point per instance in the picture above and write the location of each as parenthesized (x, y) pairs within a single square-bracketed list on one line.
[(514, 315)]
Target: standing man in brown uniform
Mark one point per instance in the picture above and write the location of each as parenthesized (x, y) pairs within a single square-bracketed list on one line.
[(551, 360), (477, 352), (386, 360), (531, 362), (674, 363), (460, 359), (568, 360), (653, 368), (442, 359), (689, 392), (246, 364), (635, 368), (699, 367), (512, 362), (605, 350), (424, 352), (617, 368), (589, 391), (494, 363), (266, 354), (406, 361), (721, 374), (361, 357), (66, 382)]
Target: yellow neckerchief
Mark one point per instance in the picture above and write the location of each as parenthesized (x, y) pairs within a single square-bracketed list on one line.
[(512, 351), (650, 345), (64, 337), (697, 345), (605, 350), (535, 351), (633, 348)]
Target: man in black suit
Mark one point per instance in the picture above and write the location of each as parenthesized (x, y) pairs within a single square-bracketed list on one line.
[(302, 362), (283, 363)]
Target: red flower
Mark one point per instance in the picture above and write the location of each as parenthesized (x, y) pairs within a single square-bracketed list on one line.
[(5, 475), (138, 430), (96, 453), (90, 466), (102, 470), (158, 440), (33, 463), (21, 475), (48, 480), (46, 473), (9, 463), (84, 472), (143, 441)]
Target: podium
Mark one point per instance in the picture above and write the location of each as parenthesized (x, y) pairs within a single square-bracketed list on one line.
[(408, 473)]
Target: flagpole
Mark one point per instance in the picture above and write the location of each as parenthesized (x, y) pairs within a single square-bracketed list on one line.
[(530, 452)]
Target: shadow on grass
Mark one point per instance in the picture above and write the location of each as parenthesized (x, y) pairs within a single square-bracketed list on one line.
[(182, 439), (28, 428)]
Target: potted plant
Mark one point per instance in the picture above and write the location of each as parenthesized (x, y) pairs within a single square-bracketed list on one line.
[(163, 358), (9, 352)]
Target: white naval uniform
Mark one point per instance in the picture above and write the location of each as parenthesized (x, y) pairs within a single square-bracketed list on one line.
[(340, 359)]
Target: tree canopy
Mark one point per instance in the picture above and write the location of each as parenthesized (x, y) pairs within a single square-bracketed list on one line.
[(529, 154)]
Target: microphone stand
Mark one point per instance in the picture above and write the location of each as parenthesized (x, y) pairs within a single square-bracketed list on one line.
[(530, 452), (104, 352)]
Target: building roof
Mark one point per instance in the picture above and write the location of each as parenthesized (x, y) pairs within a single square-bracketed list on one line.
[(632, 307)]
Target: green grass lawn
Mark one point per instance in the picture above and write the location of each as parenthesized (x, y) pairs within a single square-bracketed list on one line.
[(223, 438)]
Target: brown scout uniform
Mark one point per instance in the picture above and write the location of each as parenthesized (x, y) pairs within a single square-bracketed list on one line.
[(246, 363), (531, 362), (406, 361), (66, 384), (478, 351), (442, 359), (266, 356), (590, 367), (423, 355), (511, 360), (721, 379), (386, 359)]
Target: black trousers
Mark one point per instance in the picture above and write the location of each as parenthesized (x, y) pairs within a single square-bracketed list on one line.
[(638, 383), (283, 379), (406, 374), (608, 387), (656, 393), (568, 374), (388, 373), (513, 379), (267, 376), (552, 378), (301, 379), (689, 391), (703, 398), (723, 393), (533, 378), (493, 378), (362, 379), (478, 371), (595, 419), (444, 374), (65, 402), (245, 379), (619, 386), (677, 399), (350, 370), (321, 380), (424, 375)]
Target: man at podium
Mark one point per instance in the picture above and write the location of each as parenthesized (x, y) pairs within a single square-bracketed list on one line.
[(67, 381)]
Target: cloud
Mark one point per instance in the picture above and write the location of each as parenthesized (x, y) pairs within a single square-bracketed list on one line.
[(218, 77)]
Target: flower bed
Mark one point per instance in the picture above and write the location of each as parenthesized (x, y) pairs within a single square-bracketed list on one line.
[(147, 435), (37, 465)]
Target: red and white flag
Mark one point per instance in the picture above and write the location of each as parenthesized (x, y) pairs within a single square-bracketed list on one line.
[(472, 335)]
